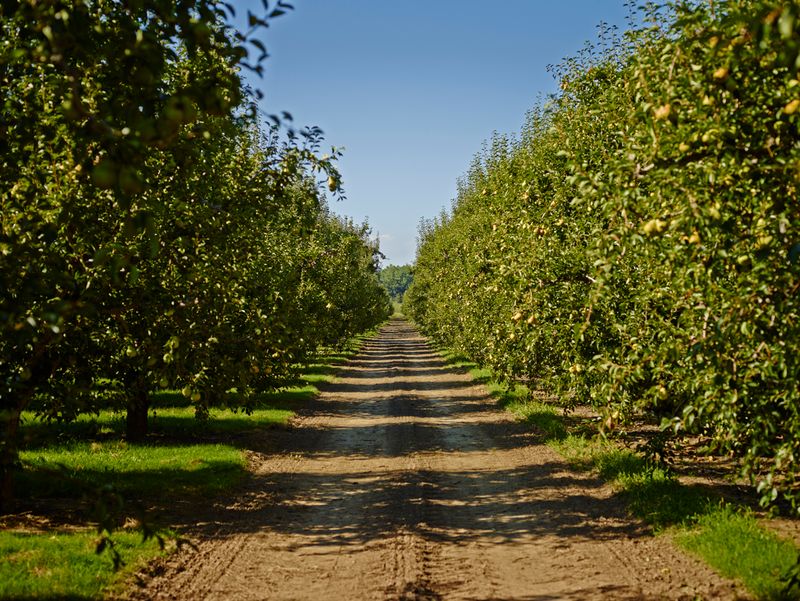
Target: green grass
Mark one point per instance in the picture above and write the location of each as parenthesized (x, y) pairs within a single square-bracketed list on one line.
[(277, 407), (737, 546), (183, 455), (78, 460), (135, 471), (652, 492), (319, 376), (540, 414), (728, 537), (64, 565)]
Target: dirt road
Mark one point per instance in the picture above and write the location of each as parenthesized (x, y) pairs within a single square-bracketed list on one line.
[(406, 482)]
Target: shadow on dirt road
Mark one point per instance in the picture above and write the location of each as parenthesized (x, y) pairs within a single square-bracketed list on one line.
[(404, 481)]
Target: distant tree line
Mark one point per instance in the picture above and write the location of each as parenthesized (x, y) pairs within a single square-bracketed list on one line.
[(396, 279)]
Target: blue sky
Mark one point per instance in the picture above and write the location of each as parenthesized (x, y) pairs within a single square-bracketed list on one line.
[(411, 90)]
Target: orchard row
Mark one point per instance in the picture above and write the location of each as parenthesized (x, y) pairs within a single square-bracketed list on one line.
[(637, 247), (153, 232)]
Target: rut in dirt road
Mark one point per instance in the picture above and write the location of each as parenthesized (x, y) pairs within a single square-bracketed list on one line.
[(405, 481)]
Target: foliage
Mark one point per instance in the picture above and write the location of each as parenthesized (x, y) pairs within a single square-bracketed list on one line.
[(636, 247)]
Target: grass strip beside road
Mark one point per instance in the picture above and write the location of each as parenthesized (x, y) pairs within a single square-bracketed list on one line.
[(64, 565), (733, 542), (727, 536)]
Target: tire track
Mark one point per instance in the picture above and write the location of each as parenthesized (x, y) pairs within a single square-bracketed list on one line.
[(404, 481)]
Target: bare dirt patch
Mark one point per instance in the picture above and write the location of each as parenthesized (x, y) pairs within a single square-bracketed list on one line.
[(404, 481)]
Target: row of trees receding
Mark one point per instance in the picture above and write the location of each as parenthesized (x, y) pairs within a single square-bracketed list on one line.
[(638, 246), (153, 232)]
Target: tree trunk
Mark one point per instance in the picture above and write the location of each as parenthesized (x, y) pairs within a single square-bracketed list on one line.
[(9, 456), (136, 418)]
